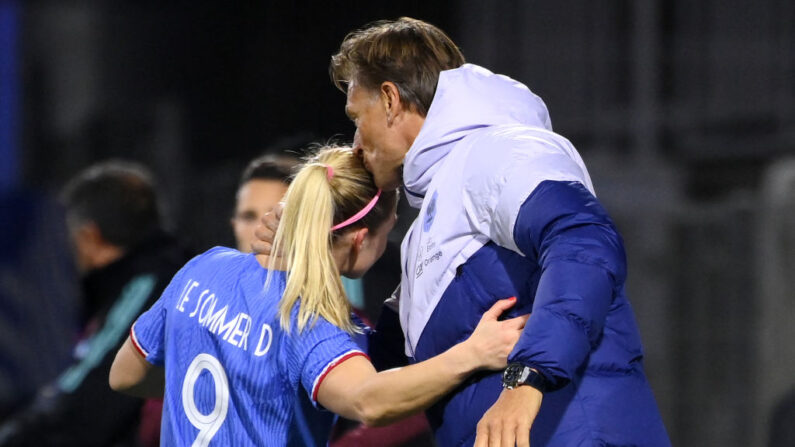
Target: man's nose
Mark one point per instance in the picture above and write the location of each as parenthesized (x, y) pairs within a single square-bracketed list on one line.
[(357, 144)]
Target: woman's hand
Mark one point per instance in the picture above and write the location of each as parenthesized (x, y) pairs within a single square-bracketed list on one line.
[(492, 340)]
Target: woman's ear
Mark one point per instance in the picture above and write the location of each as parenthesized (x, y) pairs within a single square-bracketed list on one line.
[(358, 239), (347, 250)]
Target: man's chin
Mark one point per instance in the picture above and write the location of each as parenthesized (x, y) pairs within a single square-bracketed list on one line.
[(388, 185), (391, 182)]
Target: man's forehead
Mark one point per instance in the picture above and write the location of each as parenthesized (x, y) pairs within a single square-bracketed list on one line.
[(348, 100), (351, 101), (357, 95), (352, 91)]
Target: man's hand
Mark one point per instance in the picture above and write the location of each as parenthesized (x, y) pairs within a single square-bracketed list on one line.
[(508, 421), (266, 230)]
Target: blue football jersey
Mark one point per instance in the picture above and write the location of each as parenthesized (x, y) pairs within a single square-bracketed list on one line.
[(233, 376)]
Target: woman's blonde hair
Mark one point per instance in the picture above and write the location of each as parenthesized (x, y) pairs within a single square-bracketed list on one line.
[(330, 187)]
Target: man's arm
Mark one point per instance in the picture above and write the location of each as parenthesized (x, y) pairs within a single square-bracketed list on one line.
[(581, 257), (582, 262), (354, 390)]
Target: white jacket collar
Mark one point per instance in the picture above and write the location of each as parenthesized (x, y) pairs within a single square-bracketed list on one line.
[(467, 98)]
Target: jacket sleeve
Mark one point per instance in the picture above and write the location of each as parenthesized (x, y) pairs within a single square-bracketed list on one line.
[(582, 262)]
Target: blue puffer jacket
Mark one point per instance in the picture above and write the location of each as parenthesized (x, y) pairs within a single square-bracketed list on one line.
[(507, 209)]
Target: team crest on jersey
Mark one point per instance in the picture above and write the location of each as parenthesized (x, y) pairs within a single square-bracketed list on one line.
[(430, 213)]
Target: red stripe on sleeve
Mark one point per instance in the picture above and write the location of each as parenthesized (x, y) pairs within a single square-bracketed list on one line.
[(135, 343), (331, 367)]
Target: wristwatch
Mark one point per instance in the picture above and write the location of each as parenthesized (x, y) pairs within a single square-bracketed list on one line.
[(517, 374)]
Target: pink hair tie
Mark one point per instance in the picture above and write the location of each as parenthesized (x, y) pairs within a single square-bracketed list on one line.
[(360, 214), (329, 172)]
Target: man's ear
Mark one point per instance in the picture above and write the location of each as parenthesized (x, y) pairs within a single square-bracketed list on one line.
[(390, 96)]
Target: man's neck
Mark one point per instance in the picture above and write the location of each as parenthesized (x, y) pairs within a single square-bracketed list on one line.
[(412, 128)]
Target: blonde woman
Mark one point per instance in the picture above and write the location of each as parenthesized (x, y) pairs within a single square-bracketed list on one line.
[(239, 341)]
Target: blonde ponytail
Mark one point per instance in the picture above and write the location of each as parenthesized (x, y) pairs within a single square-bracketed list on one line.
[(331, 187), (305, 243)]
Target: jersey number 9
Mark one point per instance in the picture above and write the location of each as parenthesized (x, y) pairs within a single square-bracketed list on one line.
[(208, 424)]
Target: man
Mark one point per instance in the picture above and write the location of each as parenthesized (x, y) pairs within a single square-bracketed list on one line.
[(126, 260), (506, 209)]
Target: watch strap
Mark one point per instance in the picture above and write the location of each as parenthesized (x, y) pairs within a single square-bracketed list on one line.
[(517, 374)]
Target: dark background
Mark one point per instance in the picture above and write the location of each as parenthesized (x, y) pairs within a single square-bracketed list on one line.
[(683, 110)]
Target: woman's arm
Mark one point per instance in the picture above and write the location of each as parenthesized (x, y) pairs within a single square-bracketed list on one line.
[(354, 390), (132, 374)]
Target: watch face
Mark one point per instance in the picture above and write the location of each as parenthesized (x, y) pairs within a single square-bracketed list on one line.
[(517, 374), (511, 375)]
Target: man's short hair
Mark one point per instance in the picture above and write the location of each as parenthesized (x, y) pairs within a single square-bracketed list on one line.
[(270, 167), (408, 52), (119, 197)]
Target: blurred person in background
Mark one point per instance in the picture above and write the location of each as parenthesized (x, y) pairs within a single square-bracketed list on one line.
[(262, 185), (126, 259)]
